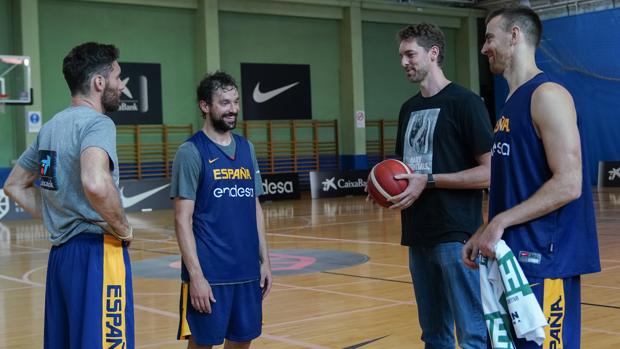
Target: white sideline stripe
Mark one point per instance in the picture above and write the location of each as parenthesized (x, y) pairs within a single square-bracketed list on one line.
[(293, 341), (342, 313), (10, 278), (339, 240), (355, 295), (26, 277), (264, 335)]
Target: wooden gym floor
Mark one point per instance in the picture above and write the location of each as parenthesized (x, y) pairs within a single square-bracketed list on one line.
[(335, 308)]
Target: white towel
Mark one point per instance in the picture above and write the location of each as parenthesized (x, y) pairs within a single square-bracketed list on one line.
[(507, 299)]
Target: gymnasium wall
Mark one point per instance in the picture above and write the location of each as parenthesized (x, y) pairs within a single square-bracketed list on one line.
[(143, 35), (7, 118), (252, 38), (385, 84), (167, 35)]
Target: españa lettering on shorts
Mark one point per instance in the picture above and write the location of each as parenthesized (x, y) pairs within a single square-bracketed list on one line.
[(114, 315), (114, 295)]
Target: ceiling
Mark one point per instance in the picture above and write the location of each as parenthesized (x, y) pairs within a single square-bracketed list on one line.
[(545, 8)]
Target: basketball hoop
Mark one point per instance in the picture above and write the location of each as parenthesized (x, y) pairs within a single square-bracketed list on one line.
[(3, 97)]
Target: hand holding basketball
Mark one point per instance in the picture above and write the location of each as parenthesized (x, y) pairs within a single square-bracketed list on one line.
[(381, 182)]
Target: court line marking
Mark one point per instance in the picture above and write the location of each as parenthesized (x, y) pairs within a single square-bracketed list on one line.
[(335, 239), (160, 343), (327, 316), (26, 276), (269, 336), (17, 288), (601, 331), (601, 286), (390, 265), (27, 282), (355, 295)]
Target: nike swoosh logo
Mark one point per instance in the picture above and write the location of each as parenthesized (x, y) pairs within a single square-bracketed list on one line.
[(213, 160), (132, 200), (534, 284), (355, 346), (260, 97)]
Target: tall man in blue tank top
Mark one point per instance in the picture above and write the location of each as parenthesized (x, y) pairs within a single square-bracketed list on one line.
[(219, 226), (540, 199), (444, 135)]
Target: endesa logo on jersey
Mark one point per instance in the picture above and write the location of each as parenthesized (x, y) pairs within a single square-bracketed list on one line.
[(499, 146), (233, 174)]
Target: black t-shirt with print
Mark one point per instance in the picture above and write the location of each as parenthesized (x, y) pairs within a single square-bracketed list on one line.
[(443, 134)]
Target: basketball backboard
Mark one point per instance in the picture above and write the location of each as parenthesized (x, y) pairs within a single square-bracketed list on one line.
[(15, 84)]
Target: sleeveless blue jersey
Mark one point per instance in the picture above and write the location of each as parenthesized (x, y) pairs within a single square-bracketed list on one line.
[(562, 243), (224, 219)]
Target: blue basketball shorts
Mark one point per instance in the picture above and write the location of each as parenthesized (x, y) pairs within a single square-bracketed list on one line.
[(236, 315), (88, 295), (560, 300)]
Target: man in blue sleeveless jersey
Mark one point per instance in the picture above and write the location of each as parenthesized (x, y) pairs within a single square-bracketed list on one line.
[(219, 225), (88, 293), (444, 135), (540, 201)]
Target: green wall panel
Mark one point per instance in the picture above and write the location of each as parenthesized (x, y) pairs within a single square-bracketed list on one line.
[(143, 35), (7, 125), (385, 84), (291, 40)]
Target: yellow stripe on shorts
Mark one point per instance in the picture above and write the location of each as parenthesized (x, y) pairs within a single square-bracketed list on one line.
[(114, 290), (184, 332), (555, 309)]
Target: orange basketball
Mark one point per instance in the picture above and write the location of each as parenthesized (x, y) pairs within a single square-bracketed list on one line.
[(381, 182)]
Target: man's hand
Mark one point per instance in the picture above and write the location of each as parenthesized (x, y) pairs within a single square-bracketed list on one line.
[(126, 235), (201, 294), (415, 187), (482, 242), (266, 279)]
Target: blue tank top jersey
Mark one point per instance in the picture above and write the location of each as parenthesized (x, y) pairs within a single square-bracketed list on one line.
[(562, 243), (224, 219)]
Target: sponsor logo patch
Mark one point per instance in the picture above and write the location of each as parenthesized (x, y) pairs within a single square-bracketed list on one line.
[(47, 169)]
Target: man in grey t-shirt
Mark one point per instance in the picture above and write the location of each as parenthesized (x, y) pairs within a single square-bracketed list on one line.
[(74, 157)]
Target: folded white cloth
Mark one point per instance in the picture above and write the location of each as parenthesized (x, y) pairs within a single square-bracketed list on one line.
[(507, 300)]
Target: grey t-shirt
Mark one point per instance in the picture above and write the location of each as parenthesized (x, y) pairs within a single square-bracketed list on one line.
[(188, 164), (55, 156)]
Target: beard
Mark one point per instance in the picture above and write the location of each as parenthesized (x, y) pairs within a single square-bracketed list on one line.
[(418, 76), (110, 100), (221, 126)]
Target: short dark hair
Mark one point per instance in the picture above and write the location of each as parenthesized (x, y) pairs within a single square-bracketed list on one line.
[(523, 17), (426, 35), (213, 82), (85, 60)]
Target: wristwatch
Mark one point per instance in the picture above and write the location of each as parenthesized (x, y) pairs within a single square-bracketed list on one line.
[(430, 181)]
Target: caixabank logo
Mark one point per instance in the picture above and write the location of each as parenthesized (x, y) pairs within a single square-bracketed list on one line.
[(141, 101), (334, 184), (609, 173)]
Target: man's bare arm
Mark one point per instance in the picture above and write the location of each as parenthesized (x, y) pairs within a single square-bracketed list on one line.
[(473, 178), (101, 191), (555, 120), (266, 279), (20, 187), (201, 294)]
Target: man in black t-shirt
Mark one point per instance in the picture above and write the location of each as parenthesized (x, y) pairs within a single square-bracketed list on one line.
[(445, 136)]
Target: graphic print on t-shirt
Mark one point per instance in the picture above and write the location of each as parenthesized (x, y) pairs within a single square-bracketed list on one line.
[(418, 147), (47, 169)]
